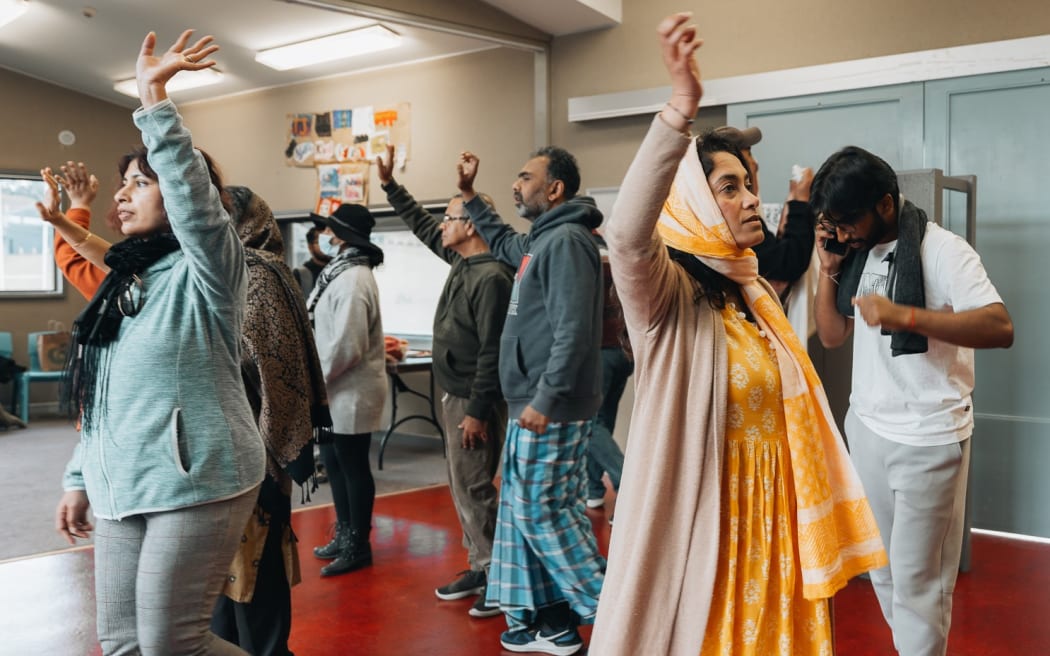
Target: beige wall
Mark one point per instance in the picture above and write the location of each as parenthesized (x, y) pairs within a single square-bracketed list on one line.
[(31, 115), (482, 102), (806, 33)]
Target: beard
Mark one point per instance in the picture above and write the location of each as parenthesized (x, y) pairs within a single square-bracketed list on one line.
[(530, 210), (878, 231)]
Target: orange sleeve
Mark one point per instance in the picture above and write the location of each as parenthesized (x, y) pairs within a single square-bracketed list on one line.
[(80, 273)]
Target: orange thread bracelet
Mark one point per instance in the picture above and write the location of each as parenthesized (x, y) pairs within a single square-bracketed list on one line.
[(911, 319)]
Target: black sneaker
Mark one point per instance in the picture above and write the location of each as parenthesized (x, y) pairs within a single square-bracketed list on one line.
[(537, 639), (481, 608), (468, 584)]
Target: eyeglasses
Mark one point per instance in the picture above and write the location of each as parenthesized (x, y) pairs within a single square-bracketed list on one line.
[(454, 218), (847, 223), (132, 297)]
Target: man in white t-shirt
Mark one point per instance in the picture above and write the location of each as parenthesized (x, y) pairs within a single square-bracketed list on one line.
[(926, 304)]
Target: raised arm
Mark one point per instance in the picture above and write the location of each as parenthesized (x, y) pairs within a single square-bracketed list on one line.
[(422, 224), (641, 267), (506, 244), (787, 256), (198, 219), (79, 253)]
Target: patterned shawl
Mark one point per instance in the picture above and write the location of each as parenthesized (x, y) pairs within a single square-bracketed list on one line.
[(837, 534), (279, 362)]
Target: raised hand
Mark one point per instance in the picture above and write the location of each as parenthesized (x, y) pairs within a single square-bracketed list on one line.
[(81, 186), (153, 71), (50, 210), (467, 168), (385, 165), (678, 44)]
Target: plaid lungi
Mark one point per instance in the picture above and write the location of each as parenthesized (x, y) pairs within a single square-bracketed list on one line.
[(544, 551)]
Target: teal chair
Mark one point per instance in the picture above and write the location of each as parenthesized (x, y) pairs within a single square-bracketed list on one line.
[(33, 375), (7, 349)]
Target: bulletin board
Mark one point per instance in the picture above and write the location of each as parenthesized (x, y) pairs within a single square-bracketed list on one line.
[(341, 144)]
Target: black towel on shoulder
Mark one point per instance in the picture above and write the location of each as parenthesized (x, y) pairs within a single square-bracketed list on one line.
[(904, 286)]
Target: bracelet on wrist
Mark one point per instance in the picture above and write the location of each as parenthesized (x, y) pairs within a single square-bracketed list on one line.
[(833, 277), (688, 120), (84, 240)]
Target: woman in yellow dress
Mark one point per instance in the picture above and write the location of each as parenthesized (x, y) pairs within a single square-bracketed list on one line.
[(743, 512)]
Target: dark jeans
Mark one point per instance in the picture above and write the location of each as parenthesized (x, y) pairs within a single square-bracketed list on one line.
[(261, 627), (603, 453), (350, 475)]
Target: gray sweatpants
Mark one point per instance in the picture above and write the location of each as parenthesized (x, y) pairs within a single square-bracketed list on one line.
[(470, 476), (157, 577), (918, 496)]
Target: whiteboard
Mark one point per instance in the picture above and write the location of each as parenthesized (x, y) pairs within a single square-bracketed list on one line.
[(410, 281)]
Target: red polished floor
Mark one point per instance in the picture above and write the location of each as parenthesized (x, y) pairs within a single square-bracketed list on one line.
[(46, 603)]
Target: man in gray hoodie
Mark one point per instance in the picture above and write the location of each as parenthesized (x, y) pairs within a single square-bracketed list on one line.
[(546, 572)]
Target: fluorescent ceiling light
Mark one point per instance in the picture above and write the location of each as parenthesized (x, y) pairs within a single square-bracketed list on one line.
[(12, 9), (361, 41), (182, 81)]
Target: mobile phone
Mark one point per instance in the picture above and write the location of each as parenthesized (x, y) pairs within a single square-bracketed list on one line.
[(835, 246)]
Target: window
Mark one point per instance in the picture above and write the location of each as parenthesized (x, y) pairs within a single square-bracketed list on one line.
[(27, 261)]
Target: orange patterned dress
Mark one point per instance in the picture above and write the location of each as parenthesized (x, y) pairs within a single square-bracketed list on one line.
[(758, 608)]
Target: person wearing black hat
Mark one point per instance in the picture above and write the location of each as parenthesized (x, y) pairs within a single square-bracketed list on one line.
[(344, 308)]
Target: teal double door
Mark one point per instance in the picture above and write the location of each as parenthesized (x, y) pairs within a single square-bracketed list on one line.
[(996, 127)]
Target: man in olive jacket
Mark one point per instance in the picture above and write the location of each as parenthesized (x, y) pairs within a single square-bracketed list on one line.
[(467, 327)]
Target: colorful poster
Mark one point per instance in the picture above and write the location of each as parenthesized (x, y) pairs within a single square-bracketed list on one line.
[(344, 136), (341, 183)]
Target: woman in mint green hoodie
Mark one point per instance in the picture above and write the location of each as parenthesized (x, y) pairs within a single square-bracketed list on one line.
[(170, 459)]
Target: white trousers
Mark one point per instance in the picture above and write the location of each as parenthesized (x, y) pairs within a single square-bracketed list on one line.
[(918, 496)]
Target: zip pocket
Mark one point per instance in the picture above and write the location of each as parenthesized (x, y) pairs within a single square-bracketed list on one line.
[(176, 443)]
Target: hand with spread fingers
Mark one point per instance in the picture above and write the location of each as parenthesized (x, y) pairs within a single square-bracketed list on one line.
[(153, 71), (51, 209), (81, 186)]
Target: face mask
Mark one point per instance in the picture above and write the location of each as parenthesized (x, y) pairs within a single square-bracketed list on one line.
[(324, 243)]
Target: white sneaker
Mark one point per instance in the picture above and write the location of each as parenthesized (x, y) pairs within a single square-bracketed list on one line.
[(595, 503)]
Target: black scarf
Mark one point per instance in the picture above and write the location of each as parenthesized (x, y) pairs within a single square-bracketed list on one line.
[(352, 256), (99, 322), (904, 287)]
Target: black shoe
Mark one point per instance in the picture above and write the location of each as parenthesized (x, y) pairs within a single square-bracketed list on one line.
[(543, 640), (481, 608), (469, 583), (356, 555), (336, 546)]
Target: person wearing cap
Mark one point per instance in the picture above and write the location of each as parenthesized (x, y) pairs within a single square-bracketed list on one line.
[(783, 257), (468, 322), (344, 307), (546, 572)]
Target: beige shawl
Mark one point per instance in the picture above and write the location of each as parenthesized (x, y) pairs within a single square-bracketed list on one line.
[(664, 551)]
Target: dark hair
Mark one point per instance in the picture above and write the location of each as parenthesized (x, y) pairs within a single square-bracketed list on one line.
[(561, 165), (139, 155), (851, 182), (713, 285), (311, 234), (711, 142)]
